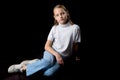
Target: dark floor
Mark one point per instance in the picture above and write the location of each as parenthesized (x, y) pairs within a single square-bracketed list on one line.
[(74, 72)]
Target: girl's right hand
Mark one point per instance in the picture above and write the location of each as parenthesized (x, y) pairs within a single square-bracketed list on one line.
[(59, 59)]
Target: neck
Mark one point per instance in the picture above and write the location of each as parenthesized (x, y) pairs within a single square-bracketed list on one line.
[(64, 25)]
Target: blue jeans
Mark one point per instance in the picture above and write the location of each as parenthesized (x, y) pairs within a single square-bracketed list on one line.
[(47, 64)]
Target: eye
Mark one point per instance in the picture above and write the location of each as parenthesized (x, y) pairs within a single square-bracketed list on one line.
[(57, 15), (63, 13)]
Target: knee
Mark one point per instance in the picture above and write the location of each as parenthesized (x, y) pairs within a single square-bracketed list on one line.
[(48, 74), (51, 71)]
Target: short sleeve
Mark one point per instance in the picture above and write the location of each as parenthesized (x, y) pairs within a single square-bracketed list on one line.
[(51, 34), (77, 33)]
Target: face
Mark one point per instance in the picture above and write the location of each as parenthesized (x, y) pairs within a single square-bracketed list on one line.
[(60, 15)]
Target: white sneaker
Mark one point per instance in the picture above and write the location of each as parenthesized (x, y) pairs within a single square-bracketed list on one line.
[(14, 68), (17, 67), (25, 62)]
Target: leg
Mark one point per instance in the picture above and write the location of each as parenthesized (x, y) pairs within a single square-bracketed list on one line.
[(46, 62), (52, 70)]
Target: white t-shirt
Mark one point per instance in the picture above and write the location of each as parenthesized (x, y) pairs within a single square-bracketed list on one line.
[(63, 37)]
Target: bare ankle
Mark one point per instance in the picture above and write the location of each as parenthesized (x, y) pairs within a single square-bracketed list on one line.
[(23, 68)]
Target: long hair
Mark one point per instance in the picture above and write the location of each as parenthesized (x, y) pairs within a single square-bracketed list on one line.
[(68, 15)]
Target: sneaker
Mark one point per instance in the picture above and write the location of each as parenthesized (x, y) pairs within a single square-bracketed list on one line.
[(17, 67), (25, 62), (14, 68)]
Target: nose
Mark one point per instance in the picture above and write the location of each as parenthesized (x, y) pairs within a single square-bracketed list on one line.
[(60, 15)]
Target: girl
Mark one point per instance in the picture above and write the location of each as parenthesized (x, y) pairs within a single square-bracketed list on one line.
[(62, 42)]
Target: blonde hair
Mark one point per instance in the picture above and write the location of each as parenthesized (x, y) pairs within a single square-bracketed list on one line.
[(63, 7)]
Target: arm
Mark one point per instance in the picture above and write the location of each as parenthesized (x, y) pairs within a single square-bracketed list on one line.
[(75, 51), (48, 47)]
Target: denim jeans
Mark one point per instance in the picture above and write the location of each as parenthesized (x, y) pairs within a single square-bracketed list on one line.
[(47, 64)]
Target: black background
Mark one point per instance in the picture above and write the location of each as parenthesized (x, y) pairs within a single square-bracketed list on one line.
[(25, 26)]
